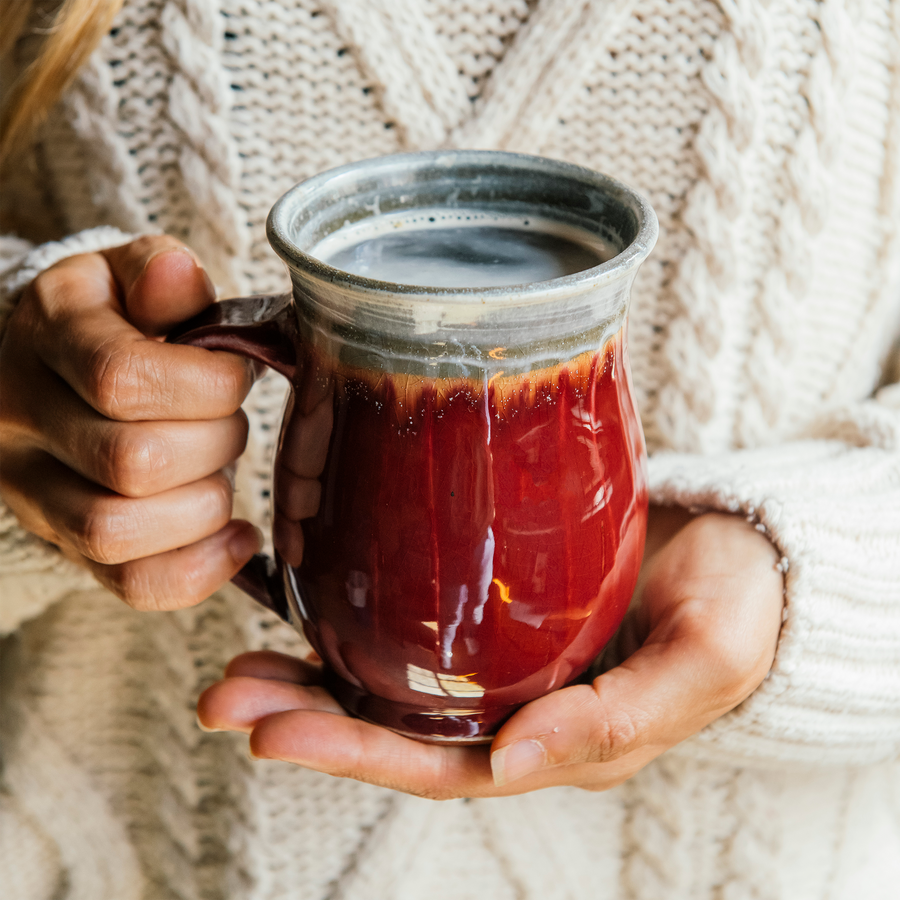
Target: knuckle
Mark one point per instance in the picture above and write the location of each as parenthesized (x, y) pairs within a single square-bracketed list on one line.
[(129, 584), (47, 287), (97, 534), (222, 493), (734, 668), (138, 585), (51, 293), (231, 381), (133, 461), (441, 786), (59, 291), (121, 383), (190, 586), (614, 734)]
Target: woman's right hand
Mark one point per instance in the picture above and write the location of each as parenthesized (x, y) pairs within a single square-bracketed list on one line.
[(116, 446)]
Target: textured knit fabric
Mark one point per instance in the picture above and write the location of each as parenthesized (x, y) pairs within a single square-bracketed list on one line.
[(766, 134)]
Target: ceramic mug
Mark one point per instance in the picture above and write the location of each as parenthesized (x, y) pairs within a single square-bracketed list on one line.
[(460, 493)]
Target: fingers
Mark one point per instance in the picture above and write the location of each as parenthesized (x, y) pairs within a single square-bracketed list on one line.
[(259, 684), (161, 283), (304, 725), (183, 577), (351, 748), (144, 458), (115, 443), (591, 736), (137, 459), (660, 696), (276, 666), (238, 703), (306, 439), (278, 700), (106, 527), (642, 707), (77, 326), (296, 498), (298, 490), (168, 551)]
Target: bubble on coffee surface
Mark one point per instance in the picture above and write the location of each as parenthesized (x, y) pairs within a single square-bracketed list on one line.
[(460, 249)]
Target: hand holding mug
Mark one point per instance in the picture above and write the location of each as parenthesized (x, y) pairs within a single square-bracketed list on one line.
[(116, 446), (700, 637)]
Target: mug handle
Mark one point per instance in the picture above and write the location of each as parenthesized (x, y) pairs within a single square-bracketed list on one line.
[(263, 328)]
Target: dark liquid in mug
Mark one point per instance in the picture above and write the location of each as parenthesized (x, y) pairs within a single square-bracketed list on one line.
[(476, 544), (466, 256)]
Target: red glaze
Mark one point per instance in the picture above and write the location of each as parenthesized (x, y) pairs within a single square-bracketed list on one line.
[(475, 545)]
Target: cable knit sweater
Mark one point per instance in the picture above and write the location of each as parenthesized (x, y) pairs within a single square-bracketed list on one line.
[(766, 133)]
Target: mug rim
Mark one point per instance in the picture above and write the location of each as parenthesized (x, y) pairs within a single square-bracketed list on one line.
[(616, 267)]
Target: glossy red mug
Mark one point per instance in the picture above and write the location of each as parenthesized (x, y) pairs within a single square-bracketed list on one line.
[(460, 495)]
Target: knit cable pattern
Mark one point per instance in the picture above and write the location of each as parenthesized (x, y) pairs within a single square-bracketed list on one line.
[(420, 86), (659, 830), (547, 61), (477, 35), (871, 344), (54, 791), (199, 105), (706, 277), (810, 147), (91, 110)]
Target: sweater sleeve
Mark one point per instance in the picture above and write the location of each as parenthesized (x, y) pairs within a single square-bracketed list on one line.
[(831, 505), (33, 574)]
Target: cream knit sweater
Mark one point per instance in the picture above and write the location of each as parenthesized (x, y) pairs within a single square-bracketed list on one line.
[(766, 133)]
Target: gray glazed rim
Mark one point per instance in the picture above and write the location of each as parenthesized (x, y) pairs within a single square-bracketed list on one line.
[(416, 171)]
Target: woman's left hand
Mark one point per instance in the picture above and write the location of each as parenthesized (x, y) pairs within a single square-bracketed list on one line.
[(699, 639)]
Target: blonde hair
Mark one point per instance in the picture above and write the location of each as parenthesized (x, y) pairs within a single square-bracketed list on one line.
[(71, 38)]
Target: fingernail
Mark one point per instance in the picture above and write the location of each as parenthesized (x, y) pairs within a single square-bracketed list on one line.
[(517, 760), (186, 251), (157, 253), (251, 755), (245, 543), (202, 727)]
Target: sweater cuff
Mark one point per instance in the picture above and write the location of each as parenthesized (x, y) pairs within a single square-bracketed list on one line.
[(33, 574), (20, 263), (13, 253), (832, 510)]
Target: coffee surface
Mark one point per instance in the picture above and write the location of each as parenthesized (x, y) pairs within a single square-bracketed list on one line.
[(462, 250)]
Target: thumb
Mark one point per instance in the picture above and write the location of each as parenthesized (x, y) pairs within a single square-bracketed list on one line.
[(161, 283), (659, 696)]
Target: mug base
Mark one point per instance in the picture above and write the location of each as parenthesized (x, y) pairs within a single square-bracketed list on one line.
[(431, 724)]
